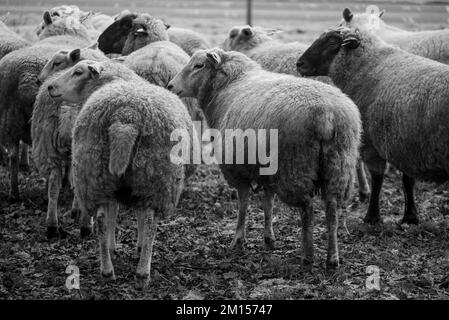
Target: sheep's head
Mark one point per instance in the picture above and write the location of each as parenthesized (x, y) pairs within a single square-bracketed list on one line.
[(317, 59), (131, 32), (363, 20), (246, 38), (61, 60), (66, 25), (77, 83)]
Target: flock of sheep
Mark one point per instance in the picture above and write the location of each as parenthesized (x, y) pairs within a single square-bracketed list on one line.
[(97, 98)]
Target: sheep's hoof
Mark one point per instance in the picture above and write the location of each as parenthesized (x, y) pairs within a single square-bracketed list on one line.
[(370, 219), (85, 232), (24, 167), (307, 264), (269, 243), (363, 196), (108, 276), (13, 198), (332, 265), (56, 232), (142, 281), (410, 219), (237, 244)]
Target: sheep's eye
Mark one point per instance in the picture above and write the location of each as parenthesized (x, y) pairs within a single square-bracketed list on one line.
[(198, 66), (55, 64), (78, 73)]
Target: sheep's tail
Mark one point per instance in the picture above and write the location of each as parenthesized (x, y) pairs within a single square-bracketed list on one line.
[(122, 138), (325, 128)]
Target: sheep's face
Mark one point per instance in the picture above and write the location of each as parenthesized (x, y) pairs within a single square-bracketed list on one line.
[(361, 20), (76, 84), (198, 74), (61, 60), (245, 38), (317, 59), (131, 32), (63, 12), (68, 25)]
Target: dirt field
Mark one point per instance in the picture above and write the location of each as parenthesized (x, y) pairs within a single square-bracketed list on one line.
[(191, 257)]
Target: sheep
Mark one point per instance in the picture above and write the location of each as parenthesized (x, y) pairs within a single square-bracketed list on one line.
[(121, 151), (189, 40), (186, 39), (51, 125), (318, 137), (144, 42), (10, 41), (403, 100), (258, 44), (63, 26), (432, 44), (272, 55), (18, 88)]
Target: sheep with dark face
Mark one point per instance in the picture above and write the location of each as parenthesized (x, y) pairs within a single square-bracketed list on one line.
[(121, 151), (51, 127), (318, 129), (143, 39), (403, 100), (18, 89)]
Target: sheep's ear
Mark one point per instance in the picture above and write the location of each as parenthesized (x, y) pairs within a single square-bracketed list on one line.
[(247, 31), (47, 18), (214, 57), (95, 71), (75, 55), (381, 13), (347, 15), (113, 37), (351, 42), (167, 26)]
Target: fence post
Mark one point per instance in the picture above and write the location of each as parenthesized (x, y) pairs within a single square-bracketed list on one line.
[(249, 12)]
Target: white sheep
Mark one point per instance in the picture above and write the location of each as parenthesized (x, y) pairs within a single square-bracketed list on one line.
[(18, 88), (403, 99), (318, 137), (51, 126), (432, 44), (121, 151)]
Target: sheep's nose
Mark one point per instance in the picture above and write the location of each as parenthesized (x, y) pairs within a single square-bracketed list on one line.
[(38, 82), (299, 64), (50, 88), (170, 87)]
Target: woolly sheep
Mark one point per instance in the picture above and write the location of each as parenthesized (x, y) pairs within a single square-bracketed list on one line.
[(275, 56), (318, 129), (121, 151), (18, 88), (51, 126), (258, 44), (10, 41), (432, 44), (403, 99), (189, 40), (150, 55)]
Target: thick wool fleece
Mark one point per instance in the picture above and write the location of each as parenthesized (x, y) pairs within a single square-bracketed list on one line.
[(10, 41), (403, 99), (121, 147), (189, 40), (319, 128)]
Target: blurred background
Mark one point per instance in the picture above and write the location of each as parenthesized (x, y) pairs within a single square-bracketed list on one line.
[(300, 19)]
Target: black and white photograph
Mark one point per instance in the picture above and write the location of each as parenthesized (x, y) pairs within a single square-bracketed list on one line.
[(236, 152)]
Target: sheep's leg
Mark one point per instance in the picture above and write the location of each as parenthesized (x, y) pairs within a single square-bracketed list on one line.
[(149, 233), (54, 187), (86, 221), (106, 267), (112, 221), (140, 231), (362, 181), (269, 238), (332, 230), (24, 158), (373, 215), (14, 173), (410, 213), (239, 237), (307, 233)]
